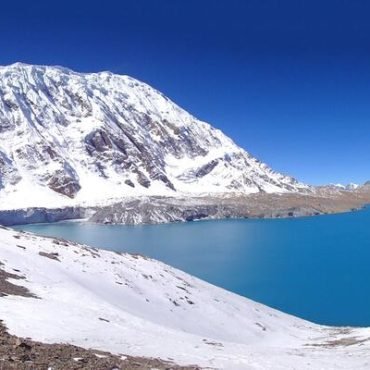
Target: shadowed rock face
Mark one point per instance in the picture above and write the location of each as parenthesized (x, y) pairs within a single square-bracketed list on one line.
[(8, 173), (62, 182), (64, 185), (206, 169), (40, 215), (56, 126)]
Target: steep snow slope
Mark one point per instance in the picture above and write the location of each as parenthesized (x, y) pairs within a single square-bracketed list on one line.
[(95, 136), (133, 305)]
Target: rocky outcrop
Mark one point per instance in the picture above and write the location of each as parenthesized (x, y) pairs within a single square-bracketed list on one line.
[(24, 354), (64, 183)]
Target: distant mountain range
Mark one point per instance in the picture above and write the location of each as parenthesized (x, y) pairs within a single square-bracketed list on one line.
[(350, 186), (89, 137)]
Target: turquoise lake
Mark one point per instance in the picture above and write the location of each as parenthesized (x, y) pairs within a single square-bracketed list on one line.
[(317, 268)]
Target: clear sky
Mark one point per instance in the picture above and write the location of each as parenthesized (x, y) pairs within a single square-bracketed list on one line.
[(288, 80)]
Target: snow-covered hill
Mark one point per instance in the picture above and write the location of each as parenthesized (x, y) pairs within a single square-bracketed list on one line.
[(350, 187), (133, 305), (89, 137)]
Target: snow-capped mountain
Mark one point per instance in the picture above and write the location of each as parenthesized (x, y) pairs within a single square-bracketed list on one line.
[(351, 186), (70, 135)]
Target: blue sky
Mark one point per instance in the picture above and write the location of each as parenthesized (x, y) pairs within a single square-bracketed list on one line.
[(287, 80)]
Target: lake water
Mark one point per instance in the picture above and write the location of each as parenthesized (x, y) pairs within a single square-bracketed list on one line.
[(317, 268)]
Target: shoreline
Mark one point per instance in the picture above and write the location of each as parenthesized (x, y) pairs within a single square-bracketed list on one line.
[(161, 210)]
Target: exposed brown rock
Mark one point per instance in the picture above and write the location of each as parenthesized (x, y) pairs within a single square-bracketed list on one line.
[(64, 184), (52, 256), (24, 354), (8, 288)]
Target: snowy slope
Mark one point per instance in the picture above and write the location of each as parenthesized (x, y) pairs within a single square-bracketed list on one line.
[(89, 137), (133, 305)]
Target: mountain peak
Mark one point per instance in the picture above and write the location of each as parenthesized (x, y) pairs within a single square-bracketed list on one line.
[(98, 135)]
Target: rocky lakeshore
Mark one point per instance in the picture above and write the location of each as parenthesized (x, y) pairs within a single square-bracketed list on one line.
[(25, 354), (160, 209)]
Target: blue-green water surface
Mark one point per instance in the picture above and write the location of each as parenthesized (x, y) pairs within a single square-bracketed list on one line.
[(317, 268)]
